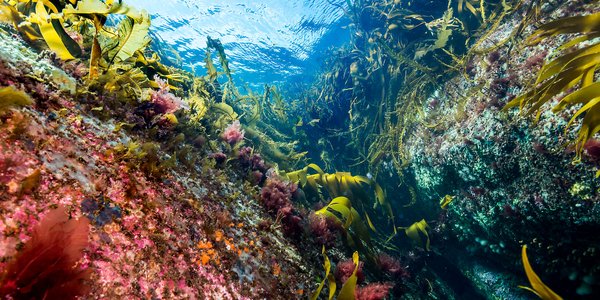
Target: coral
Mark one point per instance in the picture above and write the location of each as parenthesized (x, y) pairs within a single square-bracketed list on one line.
[(344, 269), (233, 133), (46, 267), (374, 291)]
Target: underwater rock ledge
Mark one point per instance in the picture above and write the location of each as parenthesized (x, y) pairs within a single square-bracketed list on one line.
[(188, 234), (513, 179)]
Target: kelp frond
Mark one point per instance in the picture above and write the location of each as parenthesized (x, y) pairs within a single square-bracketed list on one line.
[(10, 97), (575, 68), (537, 286), (347, 292), (415, 231), (328, 277)]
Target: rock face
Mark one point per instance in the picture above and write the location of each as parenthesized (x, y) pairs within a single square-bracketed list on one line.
[(513, 179), (186, 234)]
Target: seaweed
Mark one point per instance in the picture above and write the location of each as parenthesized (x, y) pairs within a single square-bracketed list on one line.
[(349, 287), (415, 231), (571, 73), (10, 97), (46, 266), (537, 286), (328, 277), (342, 184)]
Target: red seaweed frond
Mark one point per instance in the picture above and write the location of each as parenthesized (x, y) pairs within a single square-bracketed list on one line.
[(46, 267)]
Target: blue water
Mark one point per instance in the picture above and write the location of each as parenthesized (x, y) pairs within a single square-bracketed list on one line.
[(267, 42)]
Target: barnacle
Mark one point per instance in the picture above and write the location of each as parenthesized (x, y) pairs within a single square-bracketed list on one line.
[(537, 286), (575, 68)]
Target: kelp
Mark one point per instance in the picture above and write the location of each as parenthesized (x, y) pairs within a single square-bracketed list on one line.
[(445, 201), (371, 95), (10, 97), (132, 36), (537, 286), (340, 184), (328, 277), (415, 231), (216, 44), (574, 69), (348, 288), (350, 205), (39, 21), (53, 31), (43, 20)]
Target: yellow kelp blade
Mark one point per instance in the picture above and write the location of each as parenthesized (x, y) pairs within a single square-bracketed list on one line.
[(5, 13), (328, 276), (379, 194), (11, 97), (445, 201), (133, 36), (97, 7), (316, 168), (340, 205), (347, 291), (413, 232), (54, 34), (537, 286), (578, 24)]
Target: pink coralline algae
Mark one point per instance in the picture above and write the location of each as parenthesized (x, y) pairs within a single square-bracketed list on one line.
[(234, 133), (164, 101), (344, 270), (374, 291)]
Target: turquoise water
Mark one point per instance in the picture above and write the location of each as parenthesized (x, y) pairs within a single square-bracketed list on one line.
[(266, 41)]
